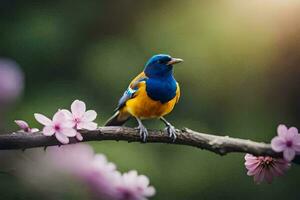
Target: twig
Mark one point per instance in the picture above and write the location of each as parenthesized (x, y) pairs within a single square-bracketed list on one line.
[(218, 144)]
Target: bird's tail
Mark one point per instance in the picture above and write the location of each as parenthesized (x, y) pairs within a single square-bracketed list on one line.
[(118, 119)]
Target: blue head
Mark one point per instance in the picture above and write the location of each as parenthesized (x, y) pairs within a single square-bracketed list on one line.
[(160, 65)]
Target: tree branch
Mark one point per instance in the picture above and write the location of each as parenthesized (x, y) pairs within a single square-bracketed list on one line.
[(218, 144)]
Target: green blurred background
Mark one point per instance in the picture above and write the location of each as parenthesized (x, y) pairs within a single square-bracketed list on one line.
[(241, 77)]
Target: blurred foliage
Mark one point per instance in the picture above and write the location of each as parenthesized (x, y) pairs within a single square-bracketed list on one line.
[(240, 78)]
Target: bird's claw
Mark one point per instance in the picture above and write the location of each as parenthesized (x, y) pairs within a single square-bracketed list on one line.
[(143, 132), (171, 132)]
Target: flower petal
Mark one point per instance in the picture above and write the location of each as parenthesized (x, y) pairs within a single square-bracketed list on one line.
[(68, 114), (70, 132), (269, 175), (68, 124), (296, 143), (34, 130), (296, 139), (253, 167), (259, 176), (89, 116), (22, 124), (78, 108), (79, 136), (59, 117), (62, 138), (289, 154), (42, 119), (296, 147), (87, 125), (282, 130), (292, 132), (150, 191), (48, 130), (278, 144), (278, 168)]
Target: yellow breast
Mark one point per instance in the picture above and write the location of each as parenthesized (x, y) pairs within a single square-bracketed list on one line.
[(144, 107)]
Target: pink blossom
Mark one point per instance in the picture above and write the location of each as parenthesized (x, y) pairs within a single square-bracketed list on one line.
[(58, 126), (77, 157), (25, 127), (134, 187), (264, 168), (287, 141), (101, 177), (79, 162), (80, 118)]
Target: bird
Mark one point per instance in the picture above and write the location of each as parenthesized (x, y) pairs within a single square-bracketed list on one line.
[(150, 95)]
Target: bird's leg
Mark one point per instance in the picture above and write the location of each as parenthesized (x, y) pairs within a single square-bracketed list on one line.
[(142, 129), (170, 129)]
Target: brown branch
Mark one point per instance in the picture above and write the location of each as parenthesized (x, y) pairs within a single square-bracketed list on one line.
[(218, 144)]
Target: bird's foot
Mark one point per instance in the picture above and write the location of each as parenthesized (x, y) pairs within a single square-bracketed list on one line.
[(171, 130), (143, 132)]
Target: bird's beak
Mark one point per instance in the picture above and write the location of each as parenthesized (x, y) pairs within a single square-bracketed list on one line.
[(174, 61)]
